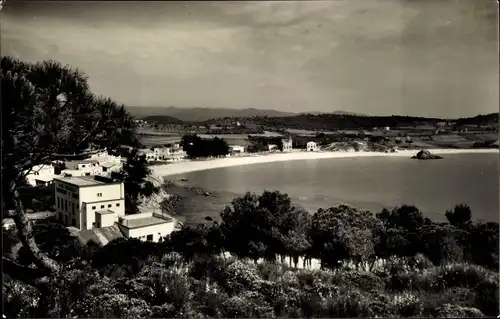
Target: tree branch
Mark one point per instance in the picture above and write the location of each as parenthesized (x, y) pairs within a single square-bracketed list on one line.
[(92, 132), (25, 274), (25, 233)]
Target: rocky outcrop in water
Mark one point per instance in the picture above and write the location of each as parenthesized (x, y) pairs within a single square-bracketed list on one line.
[(425, 155)]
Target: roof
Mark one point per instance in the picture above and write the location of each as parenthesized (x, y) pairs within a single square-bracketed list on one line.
[(100, 236), (105, 212), (89, 161), (80, 180), (43, 178), (108, 164), (145, 221)]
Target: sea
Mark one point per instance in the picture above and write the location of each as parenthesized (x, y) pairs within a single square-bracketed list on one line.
[(370, 183)]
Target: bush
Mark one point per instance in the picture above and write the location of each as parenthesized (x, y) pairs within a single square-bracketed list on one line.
[(454, 311), (487, 298)]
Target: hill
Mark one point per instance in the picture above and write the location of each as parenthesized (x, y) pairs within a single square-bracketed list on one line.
[(163, 119), (200, 114)]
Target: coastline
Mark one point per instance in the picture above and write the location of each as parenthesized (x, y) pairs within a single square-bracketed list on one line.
[(189, 166)]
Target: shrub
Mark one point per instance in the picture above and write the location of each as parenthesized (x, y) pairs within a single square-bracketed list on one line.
[(454, 311), (487, 297)]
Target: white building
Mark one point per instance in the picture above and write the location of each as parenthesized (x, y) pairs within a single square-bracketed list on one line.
[(108, 163), (41, 174), (272, 147), (312, 146), (174, 153), (82, 168), (88, 202), (236, 149), (146, 226), (150, 155), (287, 144)]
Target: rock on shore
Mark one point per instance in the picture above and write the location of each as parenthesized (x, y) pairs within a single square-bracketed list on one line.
[(425, 155)]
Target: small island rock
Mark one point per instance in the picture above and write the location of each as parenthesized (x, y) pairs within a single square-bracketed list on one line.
[(425, 155)]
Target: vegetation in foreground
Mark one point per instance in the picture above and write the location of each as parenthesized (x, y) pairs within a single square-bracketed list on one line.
[(251, 264), (415, 267)]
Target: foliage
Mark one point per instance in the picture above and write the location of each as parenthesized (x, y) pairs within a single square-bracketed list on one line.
[(417, 267), (134, 175), (134, 279), (48, 113), (460, 216), (197, 147)]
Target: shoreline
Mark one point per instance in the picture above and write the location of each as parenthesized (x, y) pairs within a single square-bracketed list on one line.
[(189, 166)]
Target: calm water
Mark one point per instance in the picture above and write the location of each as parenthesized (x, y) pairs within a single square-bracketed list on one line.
[(370, 183)]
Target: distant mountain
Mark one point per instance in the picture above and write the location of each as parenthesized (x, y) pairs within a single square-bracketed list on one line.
[(336, 113), (163, 119), (200, 114)]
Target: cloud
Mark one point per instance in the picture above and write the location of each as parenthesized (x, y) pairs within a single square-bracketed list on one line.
[(416, 57)]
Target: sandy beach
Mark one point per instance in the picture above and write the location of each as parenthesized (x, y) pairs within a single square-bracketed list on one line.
[(188, 166)]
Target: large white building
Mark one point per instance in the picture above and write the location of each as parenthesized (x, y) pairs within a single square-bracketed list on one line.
[(95, 206), (87, 202), (174, 153)]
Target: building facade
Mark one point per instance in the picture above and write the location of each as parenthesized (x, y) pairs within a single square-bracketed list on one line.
[(85, 202), (41, 174), (174, 153), (146, 226), (236, 149), (312, 146), (287, 144)]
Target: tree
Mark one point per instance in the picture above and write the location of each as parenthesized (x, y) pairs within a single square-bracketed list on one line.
[(264, 226), (134, 175), (344, 233), (460, 216), (48, 111)]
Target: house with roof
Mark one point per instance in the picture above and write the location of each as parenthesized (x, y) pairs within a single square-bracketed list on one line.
[(85, 167), (42, 174), (93, 207), (150, 155), (236, 149), (173, 153)]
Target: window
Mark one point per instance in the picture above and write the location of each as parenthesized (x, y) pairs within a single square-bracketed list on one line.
[(102, 206), (93, 207), (99, 194), (58, 202), (109, 205), (149, 238), (66, 205), (66, 219), (117, 204), (73, 222)]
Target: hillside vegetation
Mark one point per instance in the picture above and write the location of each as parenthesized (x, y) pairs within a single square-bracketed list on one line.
[(392, 264)]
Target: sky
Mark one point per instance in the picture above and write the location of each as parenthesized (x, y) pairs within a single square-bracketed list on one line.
[(379, 57)]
